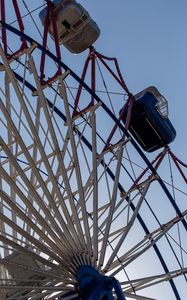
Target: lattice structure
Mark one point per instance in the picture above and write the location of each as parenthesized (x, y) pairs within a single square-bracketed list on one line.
[(81, 205)]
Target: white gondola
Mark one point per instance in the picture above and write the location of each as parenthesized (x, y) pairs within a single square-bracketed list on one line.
[(76, 29)]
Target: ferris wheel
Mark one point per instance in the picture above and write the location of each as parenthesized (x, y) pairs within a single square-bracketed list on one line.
[(92, 197)]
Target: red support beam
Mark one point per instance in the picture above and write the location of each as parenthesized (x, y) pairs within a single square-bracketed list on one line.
[(93, 79), (4, 37), (23, 46), (76, 103), (157, 161), (178, 162), (92, 56), (49, 19), (118, 78), (127, 107)]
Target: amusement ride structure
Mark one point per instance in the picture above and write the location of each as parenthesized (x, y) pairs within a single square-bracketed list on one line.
[(81, 202)]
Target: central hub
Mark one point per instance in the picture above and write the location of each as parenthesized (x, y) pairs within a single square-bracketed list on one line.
[(93, 285)]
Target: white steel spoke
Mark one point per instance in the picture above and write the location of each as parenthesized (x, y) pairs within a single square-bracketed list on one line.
[(128, 227), (36, 174), (77, 167), (27, 182), (30, 253), (112, 207), (95, 187), (142, 283), (40, 147), (5, 262), (144, 245), (60, 158)]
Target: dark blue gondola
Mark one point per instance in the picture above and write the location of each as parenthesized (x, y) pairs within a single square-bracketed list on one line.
[(149, 123)]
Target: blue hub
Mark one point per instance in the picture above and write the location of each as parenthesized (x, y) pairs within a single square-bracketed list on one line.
[(94, 286)]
